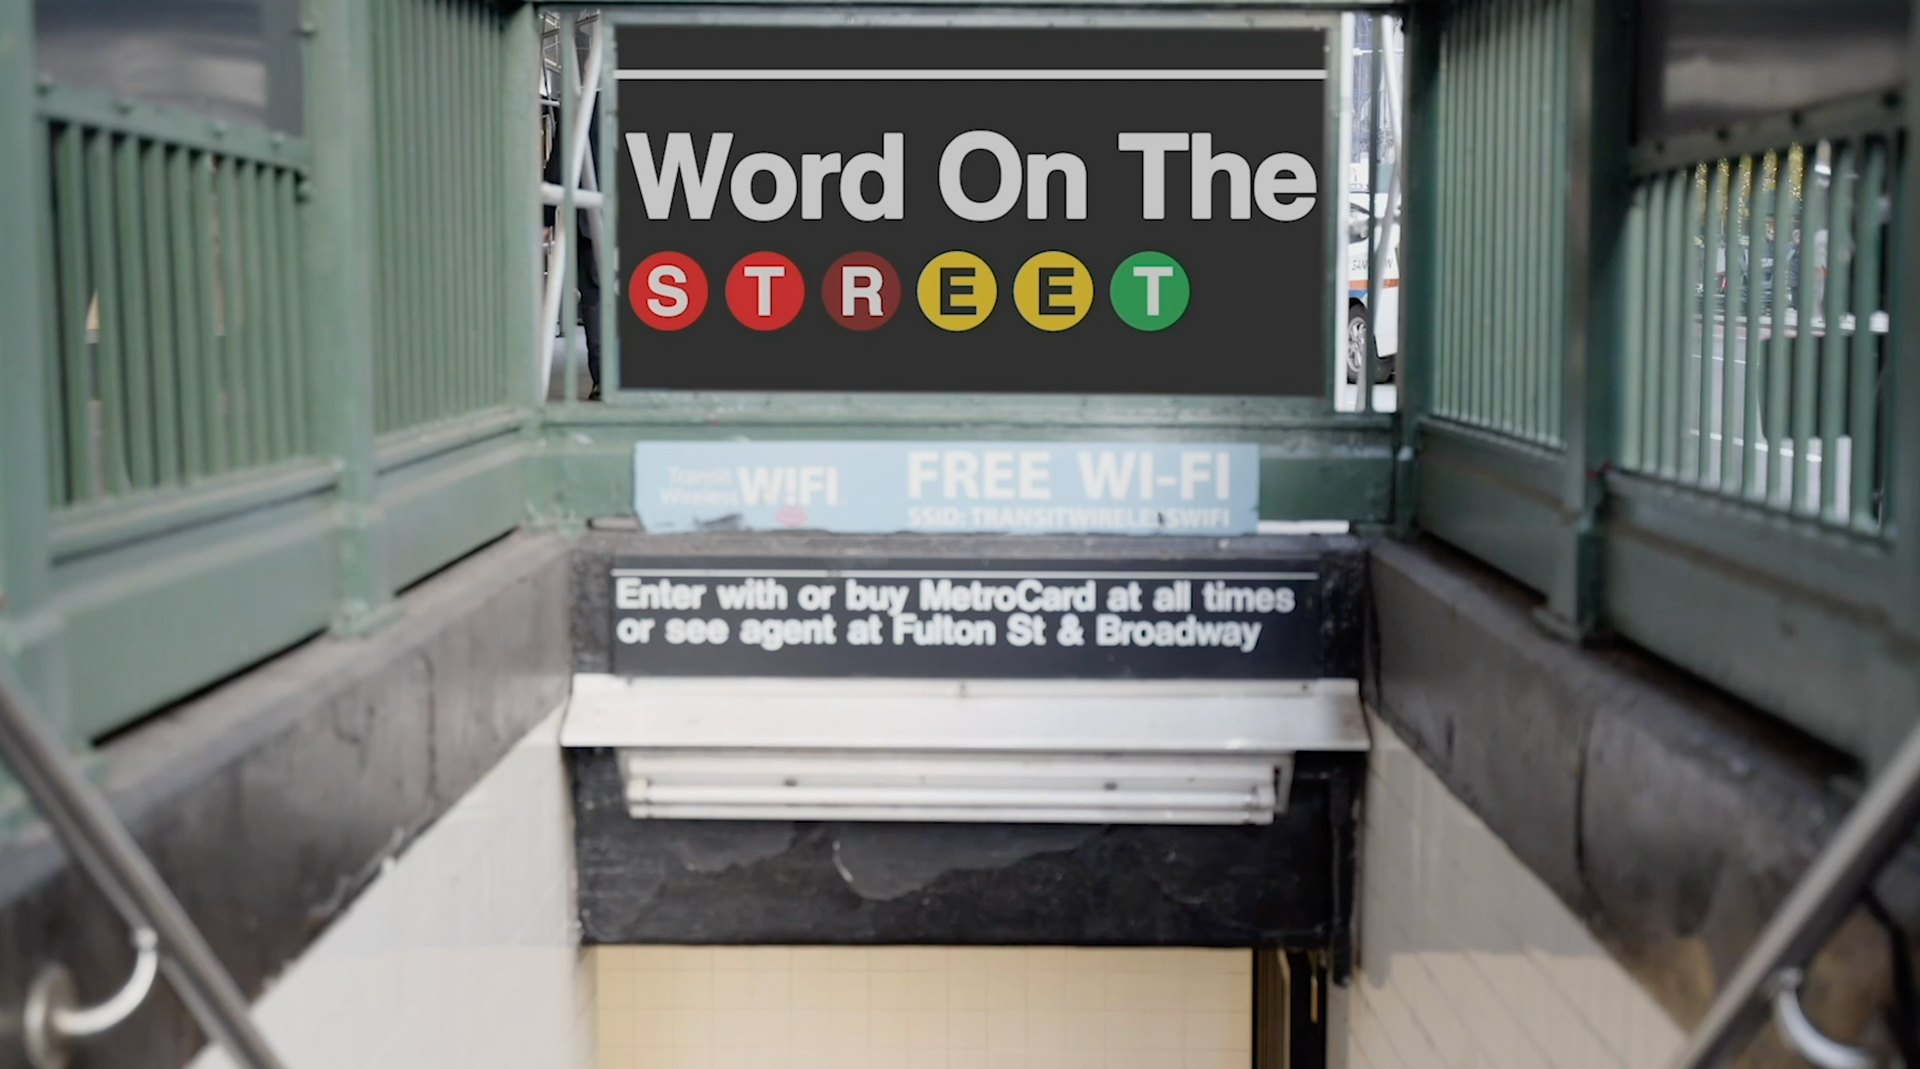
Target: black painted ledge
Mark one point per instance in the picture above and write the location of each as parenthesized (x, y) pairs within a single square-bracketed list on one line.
[(269, 803), (1669, 816), (1287, 885)]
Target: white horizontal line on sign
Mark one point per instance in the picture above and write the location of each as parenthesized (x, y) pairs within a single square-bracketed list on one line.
[(935, 573), (1196, 74)]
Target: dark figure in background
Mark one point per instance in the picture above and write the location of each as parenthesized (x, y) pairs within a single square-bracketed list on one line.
[(586, 272)]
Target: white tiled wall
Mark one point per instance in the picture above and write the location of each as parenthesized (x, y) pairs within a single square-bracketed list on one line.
[(462, 954), (1466, 958), (924, 1008)]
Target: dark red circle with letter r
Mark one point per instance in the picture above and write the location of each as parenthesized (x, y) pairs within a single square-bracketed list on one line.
[(765, 291), (668, 291), (861, 291)]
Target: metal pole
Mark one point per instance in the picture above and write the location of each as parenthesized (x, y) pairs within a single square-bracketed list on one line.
[(1376, 237), (1335, 185), (102, 848), (607, 244), (1877, 827), (579, 95)]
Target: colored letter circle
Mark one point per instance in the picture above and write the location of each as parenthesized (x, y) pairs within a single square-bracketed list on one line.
[(861, 290), (668, 291), (765, 290), (1150, 290), (957, 290), (1053, 290)]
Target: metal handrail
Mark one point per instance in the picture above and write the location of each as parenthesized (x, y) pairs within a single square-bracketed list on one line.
[(1866, 839), (106, 852)]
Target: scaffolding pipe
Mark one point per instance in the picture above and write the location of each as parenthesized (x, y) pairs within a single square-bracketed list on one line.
[(573, 143)]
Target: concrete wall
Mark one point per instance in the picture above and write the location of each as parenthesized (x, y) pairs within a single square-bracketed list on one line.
[(1467, 960), (461, 953)]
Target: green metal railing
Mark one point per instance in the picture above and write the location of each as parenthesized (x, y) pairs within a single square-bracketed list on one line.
[(173, 318), (1758, 330), (441, 300), (1501, 226), (217, 333), (1660, 379)]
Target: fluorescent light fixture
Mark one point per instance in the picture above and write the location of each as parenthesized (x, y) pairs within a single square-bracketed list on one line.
[(995, 751), (955, 787)]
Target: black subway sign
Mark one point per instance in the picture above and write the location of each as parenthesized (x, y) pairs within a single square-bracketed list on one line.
[(975, 209), (978, 619)]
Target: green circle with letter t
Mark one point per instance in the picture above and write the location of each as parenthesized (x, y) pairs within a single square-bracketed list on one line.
[(1150, 290)]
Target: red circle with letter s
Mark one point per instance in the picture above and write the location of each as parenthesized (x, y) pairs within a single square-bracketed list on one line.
[(668, 291)]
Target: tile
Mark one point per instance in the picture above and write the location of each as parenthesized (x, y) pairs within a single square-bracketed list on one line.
[(1007, 991), (616, 1028), (1047, 1030), (812, 1029), (653, 990), (1006, 1030), (691, 990), (848, 990), (927, 1029), (1047, 990), (850, 1029), (888, 1029), (732, 988), (653, 1028), (967, 1029), (968, 990), (772, 989), (811, 959), (811, 990), (693, 1028), (1145, 1030)]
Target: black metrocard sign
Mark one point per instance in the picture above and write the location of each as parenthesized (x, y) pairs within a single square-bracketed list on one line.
[(1153, 619), (1087, 210)]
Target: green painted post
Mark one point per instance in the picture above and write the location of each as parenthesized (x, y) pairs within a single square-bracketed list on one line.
[(519, 213), (1598, 78), (1903, 408), (341, 247), (30, 623), (1420, 310)]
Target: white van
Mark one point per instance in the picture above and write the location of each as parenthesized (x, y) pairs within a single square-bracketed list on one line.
[(1384, 320)]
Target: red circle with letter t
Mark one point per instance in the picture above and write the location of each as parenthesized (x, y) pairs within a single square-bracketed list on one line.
[(861, 290), (668, 291), (765, 291)]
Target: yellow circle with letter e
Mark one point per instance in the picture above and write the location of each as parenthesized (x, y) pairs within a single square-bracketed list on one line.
[(957, 290), (1053, 290)]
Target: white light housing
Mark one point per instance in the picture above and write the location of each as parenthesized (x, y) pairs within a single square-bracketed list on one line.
[(1010, 751), (933, 786)]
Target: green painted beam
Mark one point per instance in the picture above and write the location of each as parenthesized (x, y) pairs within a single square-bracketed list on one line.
[(442, 507), (176, 612), (31, 624)]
